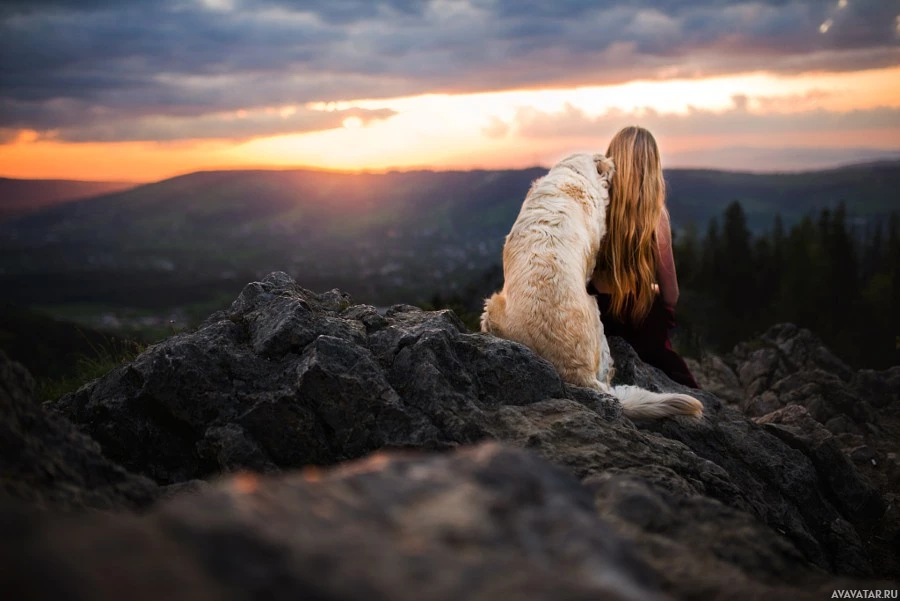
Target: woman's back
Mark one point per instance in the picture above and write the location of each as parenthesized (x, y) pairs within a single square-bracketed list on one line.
[(635, 279), (666, 277), (628, 255)]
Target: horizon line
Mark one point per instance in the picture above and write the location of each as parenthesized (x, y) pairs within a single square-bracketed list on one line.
[(423, 168)]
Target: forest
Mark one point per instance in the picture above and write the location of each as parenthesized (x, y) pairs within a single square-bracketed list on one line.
[(837, 276)]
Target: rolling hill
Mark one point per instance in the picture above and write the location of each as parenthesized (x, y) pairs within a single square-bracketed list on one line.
[(399, 236), (22, 196)]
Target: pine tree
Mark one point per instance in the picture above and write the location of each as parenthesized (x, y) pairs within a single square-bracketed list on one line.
[(765, 281), (710, 262), (776, 268), (893, 269), (687, 256), (873, 253), (737, 279), (797, 277), (842, 263)]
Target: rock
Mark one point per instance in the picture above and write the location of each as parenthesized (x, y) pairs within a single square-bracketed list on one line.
[(796, 426), (290, 378), (715, 376), (574, 501), (484, 523), (46, 462), (881, 388), (783, 350), (839, 417)]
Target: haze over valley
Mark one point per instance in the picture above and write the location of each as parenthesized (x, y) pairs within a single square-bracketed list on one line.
[(167, 252)]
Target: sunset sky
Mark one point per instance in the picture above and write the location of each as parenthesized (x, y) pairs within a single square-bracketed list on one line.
[(140, 90)]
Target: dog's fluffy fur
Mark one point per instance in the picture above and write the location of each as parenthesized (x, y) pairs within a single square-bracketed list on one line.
[(548, 258)]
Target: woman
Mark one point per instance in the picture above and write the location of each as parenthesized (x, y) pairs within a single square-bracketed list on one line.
[(635, 280)]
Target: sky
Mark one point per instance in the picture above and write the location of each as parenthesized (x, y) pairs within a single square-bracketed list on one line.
[(140, 90)]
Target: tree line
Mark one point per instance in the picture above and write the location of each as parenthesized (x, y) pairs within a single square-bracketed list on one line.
[(837, 277)]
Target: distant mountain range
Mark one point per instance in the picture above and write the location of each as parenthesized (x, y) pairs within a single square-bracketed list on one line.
[(21, 196), (399, 236)]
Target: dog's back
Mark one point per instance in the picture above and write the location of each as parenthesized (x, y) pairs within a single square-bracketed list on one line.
[(547, 259)]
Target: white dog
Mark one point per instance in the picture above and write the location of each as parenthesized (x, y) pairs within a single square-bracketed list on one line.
[(548, 258)]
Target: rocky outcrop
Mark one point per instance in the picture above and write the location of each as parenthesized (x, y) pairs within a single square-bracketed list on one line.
[(559, 498), (45, 461), (790, 382)]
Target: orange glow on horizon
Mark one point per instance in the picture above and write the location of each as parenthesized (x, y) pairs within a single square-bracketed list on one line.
[(467, 131)]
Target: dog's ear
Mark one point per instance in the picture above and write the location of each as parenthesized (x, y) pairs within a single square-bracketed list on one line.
[(604, 164)]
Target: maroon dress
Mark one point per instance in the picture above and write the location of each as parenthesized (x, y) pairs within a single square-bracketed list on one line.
[(650, 338)]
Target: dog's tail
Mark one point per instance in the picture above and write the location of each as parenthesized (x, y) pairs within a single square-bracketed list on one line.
[(638, 403), (492, 318)]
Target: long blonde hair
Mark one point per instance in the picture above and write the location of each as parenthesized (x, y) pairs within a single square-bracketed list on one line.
[(628, 252)]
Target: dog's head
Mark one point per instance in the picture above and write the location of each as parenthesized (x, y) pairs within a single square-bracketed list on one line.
[(604, 165), (581, 163)]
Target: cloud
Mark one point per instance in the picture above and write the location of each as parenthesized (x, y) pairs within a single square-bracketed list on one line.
[(496, 128), (573, 123), (237, 126), (85, 64)]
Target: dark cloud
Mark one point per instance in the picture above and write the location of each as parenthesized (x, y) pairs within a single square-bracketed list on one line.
[(69, 64), (334, 11), (343, 11), (235, 126), (21, 7)]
